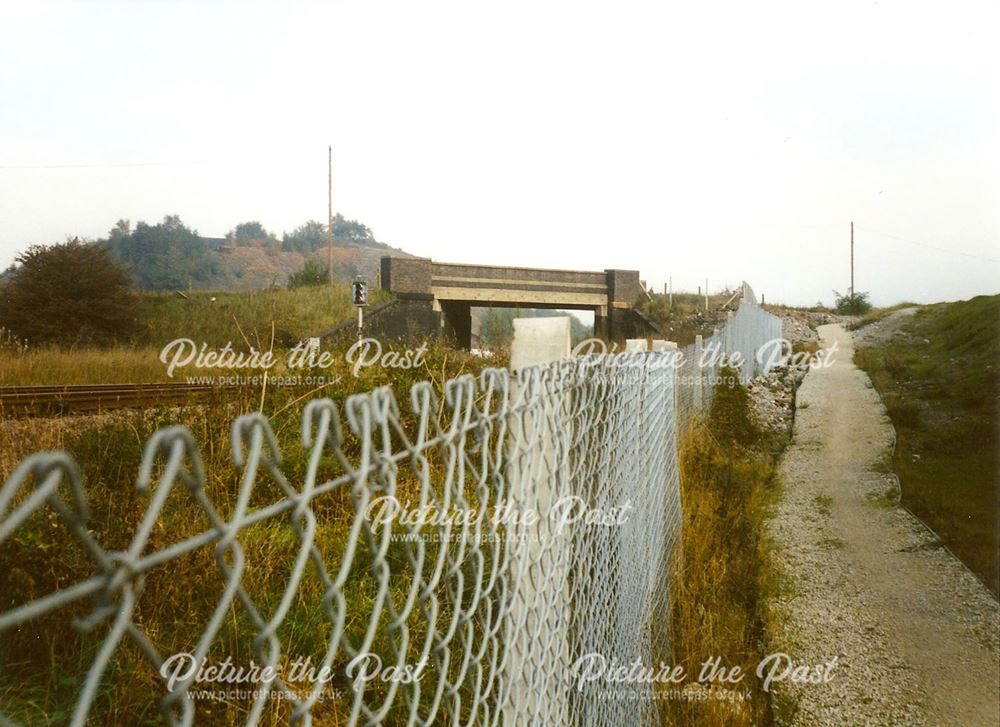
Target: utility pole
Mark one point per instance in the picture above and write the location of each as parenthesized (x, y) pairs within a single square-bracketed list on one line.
[(329, 209), (852, 259)]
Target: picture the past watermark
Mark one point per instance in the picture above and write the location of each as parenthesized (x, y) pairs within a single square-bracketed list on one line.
[(592, 673), (184, 354)]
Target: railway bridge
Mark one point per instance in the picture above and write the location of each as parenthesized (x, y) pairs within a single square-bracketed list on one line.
[(434, 297)]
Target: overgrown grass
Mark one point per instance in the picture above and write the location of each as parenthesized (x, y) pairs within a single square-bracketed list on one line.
[(217, 318), (263, 320), (686, 316), (44, 661), (118, 365), (940, 387), (721, 577)]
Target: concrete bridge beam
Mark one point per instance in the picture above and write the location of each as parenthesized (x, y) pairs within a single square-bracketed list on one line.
[(449, 291)]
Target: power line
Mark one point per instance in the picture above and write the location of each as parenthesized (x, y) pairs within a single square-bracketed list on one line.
[(827, 226), (931, 247), (111, 165)]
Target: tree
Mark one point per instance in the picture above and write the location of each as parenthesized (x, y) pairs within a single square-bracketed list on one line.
[(852, 303), (72, 292), (165, 256), (305, 238), (311, 236), (352, 231), (496, 328), (121, 230), (246, 234), (311, 273)]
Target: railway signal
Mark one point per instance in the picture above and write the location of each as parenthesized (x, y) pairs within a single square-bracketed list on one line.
[(359, 296), (359, 292)]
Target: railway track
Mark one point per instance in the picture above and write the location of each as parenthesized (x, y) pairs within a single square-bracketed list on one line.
[(20, 401)]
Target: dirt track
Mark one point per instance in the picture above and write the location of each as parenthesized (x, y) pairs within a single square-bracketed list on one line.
[(914, 633)]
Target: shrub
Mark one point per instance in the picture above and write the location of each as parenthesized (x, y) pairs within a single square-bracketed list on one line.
[(73, 292), (311, 273), (853, 304)]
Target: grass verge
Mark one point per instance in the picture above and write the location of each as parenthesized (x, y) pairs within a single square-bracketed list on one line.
[(940, 386), (721, 578)]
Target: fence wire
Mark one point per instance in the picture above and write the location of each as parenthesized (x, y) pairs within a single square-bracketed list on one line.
[(546, 502), (750, 342), (496, 598)]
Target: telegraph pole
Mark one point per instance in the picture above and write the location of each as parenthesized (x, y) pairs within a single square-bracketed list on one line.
[(852, 259), (329, 209)]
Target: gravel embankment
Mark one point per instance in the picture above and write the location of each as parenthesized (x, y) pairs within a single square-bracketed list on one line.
[(915, 636)]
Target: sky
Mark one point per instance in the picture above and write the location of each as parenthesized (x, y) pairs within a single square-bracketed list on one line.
[(690, 141)]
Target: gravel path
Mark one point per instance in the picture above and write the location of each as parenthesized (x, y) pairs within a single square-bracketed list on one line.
[(881, 331), (914, 633)]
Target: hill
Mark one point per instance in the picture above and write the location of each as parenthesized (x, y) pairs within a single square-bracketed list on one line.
[(170, 255), (255, 267)]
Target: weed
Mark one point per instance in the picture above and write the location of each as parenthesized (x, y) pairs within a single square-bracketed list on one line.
[(824, 503), (723, 584), (886, 498)]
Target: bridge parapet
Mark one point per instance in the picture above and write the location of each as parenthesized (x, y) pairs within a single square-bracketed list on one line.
[(452, 289)]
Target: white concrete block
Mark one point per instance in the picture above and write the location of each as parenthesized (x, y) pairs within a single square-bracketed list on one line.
[(539, 341)]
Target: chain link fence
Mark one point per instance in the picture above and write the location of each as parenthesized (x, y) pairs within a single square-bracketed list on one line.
[(495, 557), (750, 342), (547, 504)]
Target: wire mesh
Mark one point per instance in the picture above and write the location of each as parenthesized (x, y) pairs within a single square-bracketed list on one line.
[(546, 503), (490, 607), (750, 342)]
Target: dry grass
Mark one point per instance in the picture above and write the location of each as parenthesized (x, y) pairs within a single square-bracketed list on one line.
[(265, 320), (44, 661), (686, 317), (720, 572), (253, 316), (119, 365)]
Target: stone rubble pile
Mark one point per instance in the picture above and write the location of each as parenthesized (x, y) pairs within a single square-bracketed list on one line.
[(800, 326), (772, 397)]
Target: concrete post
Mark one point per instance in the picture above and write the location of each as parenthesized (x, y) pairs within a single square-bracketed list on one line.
[(635, 344), (536, 684)]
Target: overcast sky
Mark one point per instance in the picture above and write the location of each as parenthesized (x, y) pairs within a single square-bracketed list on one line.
[(692, 140)]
